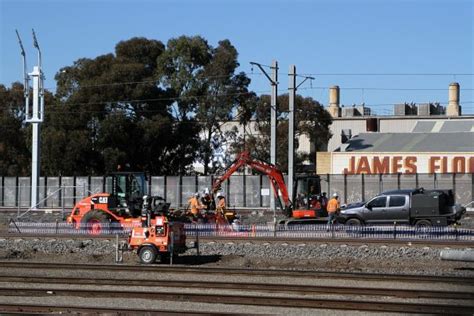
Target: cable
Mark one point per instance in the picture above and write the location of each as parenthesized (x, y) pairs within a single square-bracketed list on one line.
[(388, 74), (167, 99), (148, 81), (382, 89)]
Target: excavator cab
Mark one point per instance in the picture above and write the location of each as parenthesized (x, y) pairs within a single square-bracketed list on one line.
[(126, 191), (307, 197), (307, 192)]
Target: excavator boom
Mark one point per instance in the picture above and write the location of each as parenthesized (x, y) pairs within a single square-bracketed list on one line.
[(274, 175)]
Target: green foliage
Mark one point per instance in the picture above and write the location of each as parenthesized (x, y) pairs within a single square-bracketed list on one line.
[(14, 158)]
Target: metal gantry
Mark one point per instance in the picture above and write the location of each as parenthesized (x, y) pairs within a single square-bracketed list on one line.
[(292, 87), (273, 117), (34, 113)]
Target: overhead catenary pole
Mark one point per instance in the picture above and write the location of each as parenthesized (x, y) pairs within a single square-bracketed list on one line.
[(273, 119), (273, 125), (292, 87), (291, 128), (35, 116)]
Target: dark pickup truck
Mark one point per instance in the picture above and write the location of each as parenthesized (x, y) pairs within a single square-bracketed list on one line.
[(413, 207)]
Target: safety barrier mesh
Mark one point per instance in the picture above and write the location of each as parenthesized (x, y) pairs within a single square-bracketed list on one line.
[(400, 232)]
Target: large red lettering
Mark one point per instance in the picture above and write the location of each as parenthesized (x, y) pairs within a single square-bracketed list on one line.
[(410, 165), (433, 165), (396, 164), (363, 166), (381, 166)]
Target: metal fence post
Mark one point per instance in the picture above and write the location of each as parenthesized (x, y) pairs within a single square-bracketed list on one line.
[(62, 201), (394, 230), (197, 240), (345, 188), (363, 186), (19, 200), (171, 248), (380, 183)]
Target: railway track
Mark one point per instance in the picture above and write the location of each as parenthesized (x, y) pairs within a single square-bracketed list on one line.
[(239, 272), (240, 294), (247, 286), (357, 241)]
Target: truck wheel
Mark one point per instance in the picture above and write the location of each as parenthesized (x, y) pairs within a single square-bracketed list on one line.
[(423, 223), (96, 222), (353, 222), (148, 254)]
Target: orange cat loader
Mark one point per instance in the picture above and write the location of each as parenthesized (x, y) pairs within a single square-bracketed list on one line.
[(119, 207)]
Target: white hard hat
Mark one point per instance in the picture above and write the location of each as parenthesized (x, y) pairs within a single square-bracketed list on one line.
[(335, 195), (206, 191), (219, 194)]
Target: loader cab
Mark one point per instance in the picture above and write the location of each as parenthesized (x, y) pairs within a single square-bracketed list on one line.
[(127, 190), (307, 190)]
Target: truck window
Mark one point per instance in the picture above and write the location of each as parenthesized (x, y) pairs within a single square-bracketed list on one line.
[(396, 200), (381, 201)]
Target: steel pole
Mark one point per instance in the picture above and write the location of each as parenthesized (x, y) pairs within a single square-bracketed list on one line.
[(291, 128), (273, 126), (35, 148)]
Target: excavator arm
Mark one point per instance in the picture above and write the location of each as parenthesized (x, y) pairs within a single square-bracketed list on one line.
[(274, 175)]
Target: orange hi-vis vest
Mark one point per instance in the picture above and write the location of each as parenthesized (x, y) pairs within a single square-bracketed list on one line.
[(333, 205), (194, 205)]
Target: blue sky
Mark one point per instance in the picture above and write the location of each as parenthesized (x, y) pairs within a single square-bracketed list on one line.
[(329, 39)]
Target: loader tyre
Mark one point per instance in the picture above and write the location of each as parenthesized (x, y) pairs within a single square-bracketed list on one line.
[(96, 222), (147, 254)]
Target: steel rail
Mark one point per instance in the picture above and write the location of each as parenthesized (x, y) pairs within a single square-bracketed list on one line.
[(42, 309), (259, 300), (247, 286), (240, 271)]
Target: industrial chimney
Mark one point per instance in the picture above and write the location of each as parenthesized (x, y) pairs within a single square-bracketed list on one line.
[(334, 108), (454, 109)]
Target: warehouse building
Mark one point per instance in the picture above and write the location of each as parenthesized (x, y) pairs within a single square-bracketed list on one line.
[(421, 145)]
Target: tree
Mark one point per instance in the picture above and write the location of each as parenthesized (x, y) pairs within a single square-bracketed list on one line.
[(206, 88), (104, 103), (14, 156)]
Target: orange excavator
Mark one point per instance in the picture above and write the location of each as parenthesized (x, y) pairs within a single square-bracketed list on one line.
[(307, 189)]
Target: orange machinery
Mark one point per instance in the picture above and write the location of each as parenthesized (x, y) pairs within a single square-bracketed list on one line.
[(119, 207), (157, 238), (306, 188)]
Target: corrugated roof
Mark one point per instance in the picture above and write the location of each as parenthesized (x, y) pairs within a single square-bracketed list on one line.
[(412, 142), (448, 126), (424, 126)]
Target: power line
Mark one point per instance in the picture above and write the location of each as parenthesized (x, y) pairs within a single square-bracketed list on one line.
[(166, 99), (382, 89), (389, 74), (144, 82)]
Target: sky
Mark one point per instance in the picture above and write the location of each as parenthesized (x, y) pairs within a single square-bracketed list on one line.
[(379, 52)]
